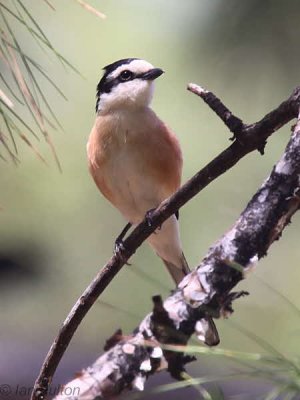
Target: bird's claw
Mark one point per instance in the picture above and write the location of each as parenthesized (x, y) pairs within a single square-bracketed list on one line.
[(149, 216), (119, 250)]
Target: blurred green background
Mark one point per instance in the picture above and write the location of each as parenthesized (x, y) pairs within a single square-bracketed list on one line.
[(57, 231)]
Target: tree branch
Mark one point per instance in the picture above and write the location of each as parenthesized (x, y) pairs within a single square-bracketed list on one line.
[(249, 138), (129, 362)]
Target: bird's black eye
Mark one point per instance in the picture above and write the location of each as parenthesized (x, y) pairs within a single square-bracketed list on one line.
[(125, 75)]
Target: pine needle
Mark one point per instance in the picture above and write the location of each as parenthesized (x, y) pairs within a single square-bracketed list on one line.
[(49, 4), (9, 87), (91, 9), (6, 99)]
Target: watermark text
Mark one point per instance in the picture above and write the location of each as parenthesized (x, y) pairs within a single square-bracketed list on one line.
[(7, 390)]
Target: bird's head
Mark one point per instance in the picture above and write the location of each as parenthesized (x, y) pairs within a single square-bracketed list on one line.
[(126, 83)]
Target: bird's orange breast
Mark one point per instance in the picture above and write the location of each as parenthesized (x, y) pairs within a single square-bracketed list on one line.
[(100, 148), (134, 159)]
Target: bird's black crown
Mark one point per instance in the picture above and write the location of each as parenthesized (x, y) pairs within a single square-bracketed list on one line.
[(105, 86)]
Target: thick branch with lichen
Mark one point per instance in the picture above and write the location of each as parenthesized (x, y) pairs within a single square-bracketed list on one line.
[(247, 139), (207, 290)]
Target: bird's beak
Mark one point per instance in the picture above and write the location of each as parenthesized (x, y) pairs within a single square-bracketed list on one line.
[(152, 74)]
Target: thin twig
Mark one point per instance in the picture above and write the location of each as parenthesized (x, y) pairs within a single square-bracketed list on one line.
[(253, 137), (233, 123)]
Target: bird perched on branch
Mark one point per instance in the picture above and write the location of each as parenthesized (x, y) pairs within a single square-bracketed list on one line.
[(134, 158)]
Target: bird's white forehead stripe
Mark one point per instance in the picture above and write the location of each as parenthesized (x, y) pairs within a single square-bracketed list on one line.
[(137, 66)]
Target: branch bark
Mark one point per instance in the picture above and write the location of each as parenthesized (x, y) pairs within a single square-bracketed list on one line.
[(208, 286), (204, 291)]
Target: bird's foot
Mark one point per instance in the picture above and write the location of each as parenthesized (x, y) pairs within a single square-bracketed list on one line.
[(120, 250), (149, 216)]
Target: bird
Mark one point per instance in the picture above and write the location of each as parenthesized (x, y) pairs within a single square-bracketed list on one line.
[(134, 158)]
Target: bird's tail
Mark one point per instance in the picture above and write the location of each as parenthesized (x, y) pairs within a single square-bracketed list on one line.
[(177, 272), (210, 333)]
